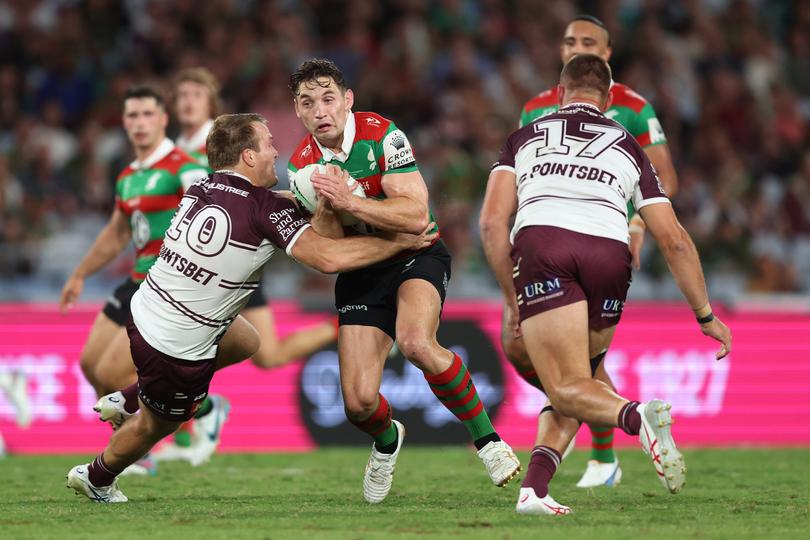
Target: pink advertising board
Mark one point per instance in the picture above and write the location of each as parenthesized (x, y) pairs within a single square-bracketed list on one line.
[(758, 396)]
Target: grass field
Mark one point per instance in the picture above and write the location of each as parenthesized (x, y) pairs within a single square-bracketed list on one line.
[(438, 493)]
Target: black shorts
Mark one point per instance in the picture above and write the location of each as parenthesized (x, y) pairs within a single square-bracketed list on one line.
[(117, 305), (172, 388), (368, 297), (257, 298)]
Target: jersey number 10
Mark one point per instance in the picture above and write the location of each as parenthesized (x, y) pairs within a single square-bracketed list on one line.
[(207, 233)]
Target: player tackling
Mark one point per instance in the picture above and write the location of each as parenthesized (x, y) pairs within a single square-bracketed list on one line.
[(185, 316)]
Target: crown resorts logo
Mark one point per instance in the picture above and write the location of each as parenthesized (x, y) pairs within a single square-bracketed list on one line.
[(398, 141)]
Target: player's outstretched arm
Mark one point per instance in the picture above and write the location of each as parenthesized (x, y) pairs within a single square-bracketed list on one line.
[(109, 243), (330, 256), (684, 264), (405, 208)]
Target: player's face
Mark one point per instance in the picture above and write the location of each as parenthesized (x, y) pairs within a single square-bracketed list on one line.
[(192, 104), (584, 37), (324, 109), (145, 122), (265, 157)]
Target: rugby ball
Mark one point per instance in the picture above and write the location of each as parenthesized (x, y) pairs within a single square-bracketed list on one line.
[(301, 186)]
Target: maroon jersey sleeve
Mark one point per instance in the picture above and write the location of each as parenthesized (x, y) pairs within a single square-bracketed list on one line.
[(649, 189), (279, 220), (506, 159)]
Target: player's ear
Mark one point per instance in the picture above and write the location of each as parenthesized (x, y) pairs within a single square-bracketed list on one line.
[(295, 106), (560, 94), (249, 157), (349, 99)]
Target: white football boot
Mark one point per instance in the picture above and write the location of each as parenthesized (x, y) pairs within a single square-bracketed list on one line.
[(530, 503), (208, 431), (110, 408), (501, 462), (171, 451), (379, 473), (600, 474), (78, 479), (656, 441)]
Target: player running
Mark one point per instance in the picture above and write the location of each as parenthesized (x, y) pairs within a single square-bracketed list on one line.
[(571, 175), (146, 195), (196, 103), (584, 34), (400, 299), (185, 315)]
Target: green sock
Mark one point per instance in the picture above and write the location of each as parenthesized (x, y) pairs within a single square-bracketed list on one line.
[(456, 391), (602, 444), (205, 408), (182, 437)]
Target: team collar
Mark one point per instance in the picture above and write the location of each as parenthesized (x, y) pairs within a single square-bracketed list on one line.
[(581, 104), (197, 140), (234, 173), (348, 140), (163, 149)]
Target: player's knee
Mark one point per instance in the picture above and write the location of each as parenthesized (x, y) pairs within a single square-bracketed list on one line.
[(563, 396), (360, 404), (418, 349)]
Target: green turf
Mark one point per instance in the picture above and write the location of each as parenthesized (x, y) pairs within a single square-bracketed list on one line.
[(438, 493)]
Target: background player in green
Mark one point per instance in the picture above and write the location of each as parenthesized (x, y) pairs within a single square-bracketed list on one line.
[(398, 299), (584, 34), (147, 194), (196, 102)]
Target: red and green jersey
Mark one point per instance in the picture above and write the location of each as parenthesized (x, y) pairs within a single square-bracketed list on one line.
[(629, 109), (194, 146), (373, 147), (148, 193)]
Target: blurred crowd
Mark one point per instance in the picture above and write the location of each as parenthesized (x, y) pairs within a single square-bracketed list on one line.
[(729, 79)]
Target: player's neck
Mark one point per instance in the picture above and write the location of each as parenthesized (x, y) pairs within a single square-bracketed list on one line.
[(143, 153), (245, 171), (189, 130), (334, 145), (581, 98)]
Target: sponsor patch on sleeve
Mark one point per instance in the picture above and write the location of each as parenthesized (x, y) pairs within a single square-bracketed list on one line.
[(397, 150)]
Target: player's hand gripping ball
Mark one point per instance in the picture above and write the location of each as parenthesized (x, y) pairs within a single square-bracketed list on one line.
[(301, 186)]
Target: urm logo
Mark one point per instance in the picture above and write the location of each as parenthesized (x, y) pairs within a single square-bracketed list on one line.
[(539, 288)]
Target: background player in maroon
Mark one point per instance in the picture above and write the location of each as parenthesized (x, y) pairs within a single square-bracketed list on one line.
[(401, 299), (185, 321)]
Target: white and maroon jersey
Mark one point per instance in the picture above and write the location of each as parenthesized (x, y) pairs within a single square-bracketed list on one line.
[(577, 169), (224, 231)]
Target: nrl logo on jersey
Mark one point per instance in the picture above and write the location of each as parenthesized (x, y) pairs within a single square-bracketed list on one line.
[(373, 121), (306, 151)]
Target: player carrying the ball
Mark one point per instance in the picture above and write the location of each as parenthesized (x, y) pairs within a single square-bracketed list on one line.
[(399, 299)]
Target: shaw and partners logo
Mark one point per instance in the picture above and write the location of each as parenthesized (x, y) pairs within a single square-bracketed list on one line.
[(404, 386), (539, 291)]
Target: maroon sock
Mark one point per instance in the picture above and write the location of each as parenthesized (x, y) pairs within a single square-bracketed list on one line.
[(629, 418), (131, 398), (100, 473), (542, 467)]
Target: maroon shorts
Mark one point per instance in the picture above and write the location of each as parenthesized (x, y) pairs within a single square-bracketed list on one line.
[(555, 267), (172, 388)]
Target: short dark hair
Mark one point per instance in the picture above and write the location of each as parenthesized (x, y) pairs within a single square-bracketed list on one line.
[(586, 72), (203, 77), (230, 134), (315, 69), (141, 91), (593, 20)]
